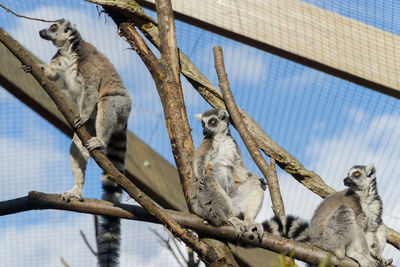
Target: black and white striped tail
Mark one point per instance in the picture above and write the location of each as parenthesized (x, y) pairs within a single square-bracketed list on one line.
[(288, 226), (110, 227)]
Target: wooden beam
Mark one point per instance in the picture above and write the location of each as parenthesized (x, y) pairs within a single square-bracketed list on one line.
[(145, 167), (301, 32)]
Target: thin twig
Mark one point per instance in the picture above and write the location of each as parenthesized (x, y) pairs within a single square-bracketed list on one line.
[(64, 262), (25, 17), (273, 185), (168, 246), (177, 248), (87, 243)]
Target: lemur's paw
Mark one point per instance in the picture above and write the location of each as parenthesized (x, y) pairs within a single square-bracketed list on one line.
[(95, 143), (74, 192), (27, 68), (79, 122), (386, 262), (255, 229), (239, 225)]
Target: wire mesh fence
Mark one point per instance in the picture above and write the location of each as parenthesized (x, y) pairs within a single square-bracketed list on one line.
[(327, 123)]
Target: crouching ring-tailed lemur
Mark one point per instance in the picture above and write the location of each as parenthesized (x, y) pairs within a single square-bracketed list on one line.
[(346, 223), (223, 189), (104, 106)]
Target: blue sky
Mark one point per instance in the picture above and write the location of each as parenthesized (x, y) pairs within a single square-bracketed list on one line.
[(328, 124)]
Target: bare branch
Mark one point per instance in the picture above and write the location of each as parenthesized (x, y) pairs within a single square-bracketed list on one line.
[(87, 243), (37, 200), (168, 246), (64, 262), (273, 185), (25, 17)]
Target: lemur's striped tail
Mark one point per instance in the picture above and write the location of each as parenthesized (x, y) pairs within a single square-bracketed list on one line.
[(288, 226), (108, 242)]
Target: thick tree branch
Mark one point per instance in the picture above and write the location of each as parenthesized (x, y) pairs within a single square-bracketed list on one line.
[(204, 251), (273, 185), (40, 201), (171, 95), (132, 11)]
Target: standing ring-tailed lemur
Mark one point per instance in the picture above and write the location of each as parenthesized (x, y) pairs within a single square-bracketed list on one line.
[(346, 223), (104, 105), (223, 189)]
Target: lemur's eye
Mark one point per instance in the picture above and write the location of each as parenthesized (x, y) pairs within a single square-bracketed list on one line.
[(213, 121), (203, 124), (356, 174), (53, 27)]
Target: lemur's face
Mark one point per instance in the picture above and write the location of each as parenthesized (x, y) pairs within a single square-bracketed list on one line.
[(58, 32), (360, 177), (214, 122)]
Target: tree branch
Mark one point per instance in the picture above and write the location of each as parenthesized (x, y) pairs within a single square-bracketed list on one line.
[(87, 243), (311, 180), (203, 250), (273, 185), (24, 17), (40, 201)]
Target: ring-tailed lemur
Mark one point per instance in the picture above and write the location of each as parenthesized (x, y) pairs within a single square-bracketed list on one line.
[(347, 223), (104, 107), (223, 189)]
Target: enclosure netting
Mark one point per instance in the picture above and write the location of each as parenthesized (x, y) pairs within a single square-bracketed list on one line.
[(327, 123)]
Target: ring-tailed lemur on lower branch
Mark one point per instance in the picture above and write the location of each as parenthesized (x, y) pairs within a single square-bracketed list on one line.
[(104, 106), (223, 189), (346, 223)]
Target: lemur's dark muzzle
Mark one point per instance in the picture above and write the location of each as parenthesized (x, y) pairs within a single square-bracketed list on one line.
[(348, 182), (207, 133), (43, 34)]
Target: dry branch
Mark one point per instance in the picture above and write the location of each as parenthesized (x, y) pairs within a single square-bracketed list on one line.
[(24, 17), (40, 201), (133, 12), (273, 185), (205, 252)]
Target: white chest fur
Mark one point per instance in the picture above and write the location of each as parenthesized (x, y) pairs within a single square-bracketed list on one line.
[(224, 151), (70, 75)]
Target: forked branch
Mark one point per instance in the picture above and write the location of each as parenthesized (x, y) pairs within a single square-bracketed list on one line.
[(273, 185)]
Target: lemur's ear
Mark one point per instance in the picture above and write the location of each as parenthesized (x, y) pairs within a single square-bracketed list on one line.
[(67, 26), (223, 114), (370, 170), (198, 116)]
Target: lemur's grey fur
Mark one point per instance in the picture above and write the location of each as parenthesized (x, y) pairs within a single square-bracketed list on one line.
[(104, 107), (223, 189), (347, 223)]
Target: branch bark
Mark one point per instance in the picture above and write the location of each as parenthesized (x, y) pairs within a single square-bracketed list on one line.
[(311, 180), (203, 250), (273, 185), (40, 201)]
